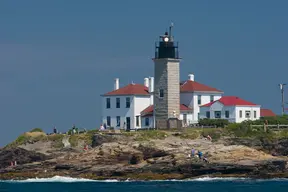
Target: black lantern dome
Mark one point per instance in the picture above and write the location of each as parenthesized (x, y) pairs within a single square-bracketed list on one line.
[(166, 47)]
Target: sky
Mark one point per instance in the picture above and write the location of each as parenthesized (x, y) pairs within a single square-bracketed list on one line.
[(58, 57)]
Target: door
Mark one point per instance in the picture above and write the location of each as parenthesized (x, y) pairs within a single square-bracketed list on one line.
[(185, 119), (128, 124)]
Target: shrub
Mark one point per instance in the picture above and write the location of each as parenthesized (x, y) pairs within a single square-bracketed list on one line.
[(215, 134), (213, 122), (37, 130), (150, 134), (245, 130)]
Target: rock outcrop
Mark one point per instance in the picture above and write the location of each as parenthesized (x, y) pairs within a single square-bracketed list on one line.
[(20, 155), (122, 157)]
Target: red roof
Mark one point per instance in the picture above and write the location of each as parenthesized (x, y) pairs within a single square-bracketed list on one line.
[(131, 89), (192, 86), (149, 110), (230, 101), (267, 113)]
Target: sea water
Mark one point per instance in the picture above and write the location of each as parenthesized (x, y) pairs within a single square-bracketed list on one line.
[(65, 184)]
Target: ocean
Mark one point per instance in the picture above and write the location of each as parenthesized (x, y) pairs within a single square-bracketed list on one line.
[(64, 184)]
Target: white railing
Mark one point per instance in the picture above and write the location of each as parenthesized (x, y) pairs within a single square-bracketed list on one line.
[(277, 126)]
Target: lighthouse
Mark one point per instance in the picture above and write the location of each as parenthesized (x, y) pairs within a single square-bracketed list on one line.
[(166, 81)]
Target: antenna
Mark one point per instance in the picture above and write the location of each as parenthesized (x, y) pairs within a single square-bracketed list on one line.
[(281, 85), (170, 29)]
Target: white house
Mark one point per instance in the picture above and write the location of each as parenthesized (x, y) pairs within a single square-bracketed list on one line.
[(232, 108), (131, 106), (194, 94), (121, 107)]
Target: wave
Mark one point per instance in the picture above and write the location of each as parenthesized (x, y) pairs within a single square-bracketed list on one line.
[(201, 179), (57, 179)]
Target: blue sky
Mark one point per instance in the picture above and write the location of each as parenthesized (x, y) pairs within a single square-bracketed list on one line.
[(57, 57)]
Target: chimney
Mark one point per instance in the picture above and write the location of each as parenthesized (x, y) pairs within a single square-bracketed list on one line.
[(146, 82), (116, 84), (191, 77), (151, 84), (151, 90)]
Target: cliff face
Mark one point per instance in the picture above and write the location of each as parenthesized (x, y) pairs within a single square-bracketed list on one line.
[(129, 156), (21, 156)]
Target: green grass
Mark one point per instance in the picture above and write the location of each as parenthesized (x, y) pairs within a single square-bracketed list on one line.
[(22, 139), (56, 140), (36, 130), (86, 137), (146, 135)]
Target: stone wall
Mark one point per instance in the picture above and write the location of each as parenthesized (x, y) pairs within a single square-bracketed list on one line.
[(166, 77)]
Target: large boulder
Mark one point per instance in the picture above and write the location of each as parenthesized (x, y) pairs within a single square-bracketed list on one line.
[(20, 155), (99, 139)]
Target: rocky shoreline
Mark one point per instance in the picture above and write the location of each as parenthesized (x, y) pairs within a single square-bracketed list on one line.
[(122, 158)]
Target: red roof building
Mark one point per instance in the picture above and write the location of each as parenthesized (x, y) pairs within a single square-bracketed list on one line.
[(231, 101), (131, 89), (193, 86), (267, 113), (232, 108), (115, 108)]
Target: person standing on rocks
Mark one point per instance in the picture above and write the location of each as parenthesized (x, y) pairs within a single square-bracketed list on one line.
[(73, 129), (192, 152), (54, 130), (200, 154)]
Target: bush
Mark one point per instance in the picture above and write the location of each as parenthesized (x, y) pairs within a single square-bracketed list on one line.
[(37, 130), (280, 119), (213, 122), (245, 130), (215, 134)]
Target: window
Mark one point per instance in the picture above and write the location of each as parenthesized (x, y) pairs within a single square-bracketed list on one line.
[(118, 120), (226, 114), (199, 99), (117, 102), (108, 119), (247, 114), (127, 102), (137, 121), (208, 114), (240, 114), (198, 115), (217, 114), (147, 121), (108, 106), (255, 114), (211, 98), (161, 93)]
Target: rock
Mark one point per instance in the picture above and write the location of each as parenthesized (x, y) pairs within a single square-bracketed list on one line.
[(64, 167), (98, 139), (135, 159), (149, 152), (276, 147), (20, 155)]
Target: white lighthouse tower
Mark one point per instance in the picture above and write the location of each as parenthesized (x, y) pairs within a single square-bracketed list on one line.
[(166, 81)]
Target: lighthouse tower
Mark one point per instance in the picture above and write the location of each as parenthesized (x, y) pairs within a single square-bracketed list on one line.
[(166, 81)]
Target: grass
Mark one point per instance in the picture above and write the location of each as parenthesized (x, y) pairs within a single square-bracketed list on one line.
[(146, 135), (56, 140), (86, 137), (36, 130)]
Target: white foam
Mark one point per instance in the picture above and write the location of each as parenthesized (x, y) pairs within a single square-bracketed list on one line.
[(57, 179), (201, 179)]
